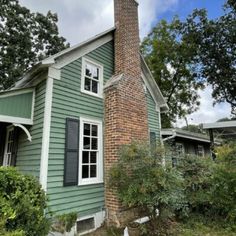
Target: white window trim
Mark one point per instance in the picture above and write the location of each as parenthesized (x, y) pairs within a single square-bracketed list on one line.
[(9, 128), (100, 81), (183, 150), (203, 151), (99, 178)]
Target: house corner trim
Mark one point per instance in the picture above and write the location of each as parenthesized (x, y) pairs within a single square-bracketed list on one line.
[(46, 134)]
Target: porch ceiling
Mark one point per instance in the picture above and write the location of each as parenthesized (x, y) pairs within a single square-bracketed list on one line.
[(16, 106)]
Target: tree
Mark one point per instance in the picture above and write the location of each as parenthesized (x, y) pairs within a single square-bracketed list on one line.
[(173, 63), (25, 39), (192, 128), (216, 40)]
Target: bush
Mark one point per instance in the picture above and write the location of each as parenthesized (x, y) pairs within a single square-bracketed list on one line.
[(22, 204), (223, 191), (143, 182), (197, 173)]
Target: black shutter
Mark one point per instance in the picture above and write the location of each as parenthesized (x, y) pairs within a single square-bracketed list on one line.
[(15, 146), (71, 152), (2, 141), (153, 141)]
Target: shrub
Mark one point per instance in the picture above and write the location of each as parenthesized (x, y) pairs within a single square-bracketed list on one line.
[(197, 173), (64, 223), (223, 191), (22, 204), (143, 182)]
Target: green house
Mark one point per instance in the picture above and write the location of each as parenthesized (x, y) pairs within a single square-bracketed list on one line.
[(52, 125)]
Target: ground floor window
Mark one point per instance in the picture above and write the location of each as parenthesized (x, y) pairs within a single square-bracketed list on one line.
[(9, 145), (90, 161), (200, 151)]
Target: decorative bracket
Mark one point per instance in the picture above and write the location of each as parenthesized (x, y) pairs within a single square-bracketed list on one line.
[(25, 130)]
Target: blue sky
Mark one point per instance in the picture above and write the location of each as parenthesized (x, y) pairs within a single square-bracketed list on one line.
[(82, 19), (185, 7)]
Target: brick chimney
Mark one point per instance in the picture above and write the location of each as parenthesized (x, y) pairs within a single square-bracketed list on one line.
[(125, 101)]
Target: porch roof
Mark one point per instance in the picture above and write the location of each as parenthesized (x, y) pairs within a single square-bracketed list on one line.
[(16, 106)]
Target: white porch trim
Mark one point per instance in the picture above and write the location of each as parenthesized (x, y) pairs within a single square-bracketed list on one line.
[(46, 134)]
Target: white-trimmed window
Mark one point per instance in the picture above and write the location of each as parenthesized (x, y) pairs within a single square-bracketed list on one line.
[(8, 146), (92, 78), (200, 151), (90, 161), (179, 147)]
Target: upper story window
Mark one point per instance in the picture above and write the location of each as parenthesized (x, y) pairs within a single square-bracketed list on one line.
[(92, 78)]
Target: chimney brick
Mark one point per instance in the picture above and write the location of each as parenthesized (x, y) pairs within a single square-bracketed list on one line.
[(125, 102)]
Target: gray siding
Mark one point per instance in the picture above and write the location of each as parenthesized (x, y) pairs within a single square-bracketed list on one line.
[(68, 101)]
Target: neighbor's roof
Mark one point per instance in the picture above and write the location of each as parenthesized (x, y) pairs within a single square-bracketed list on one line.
[(225, 128), (186, 135)]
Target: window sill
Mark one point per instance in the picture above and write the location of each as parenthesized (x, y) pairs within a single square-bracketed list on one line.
[(90, 183), (92, 94)]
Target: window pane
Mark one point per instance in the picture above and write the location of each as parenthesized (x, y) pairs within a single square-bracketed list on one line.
[(86, 143), (85, 157), (94, 130), (85, 171), (92, 71), (93, 157), (87, 129), (96, 74), (94, 86), (93, 171), (94, 143), (87, 84)]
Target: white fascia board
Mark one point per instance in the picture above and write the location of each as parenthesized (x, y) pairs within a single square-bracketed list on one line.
[(46, 134), (12, 119), (170, 132), (218, 125), (15, 92), (193, 138), (52, 58), (30, 75), (153, 87), (81, 51)]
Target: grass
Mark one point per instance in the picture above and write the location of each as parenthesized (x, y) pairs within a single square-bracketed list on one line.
[(198, 228)]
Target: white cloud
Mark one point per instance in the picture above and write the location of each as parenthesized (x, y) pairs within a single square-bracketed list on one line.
[(82, 19), (149, 10), (207, 113)]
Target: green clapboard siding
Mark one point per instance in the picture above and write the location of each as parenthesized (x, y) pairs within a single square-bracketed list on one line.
[(17, 105), (153, 116), (68, 101), (29, 153)]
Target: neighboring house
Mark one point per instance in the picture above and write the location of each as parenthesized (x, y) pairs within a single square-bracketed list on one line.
[(65, 120), (224, 129), (187, 143)]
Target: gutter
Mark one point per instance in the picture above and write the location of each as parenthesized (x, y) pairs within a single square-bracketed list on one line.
[(170, 137)]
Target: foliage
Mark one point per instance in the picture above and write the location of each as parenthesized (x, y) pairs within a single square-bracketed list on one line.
[(193, 128), (216, 44), (197, 173), (65, 222), (224, 183), (25, 38), (143, 182), (22, 204), (173, 63)]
